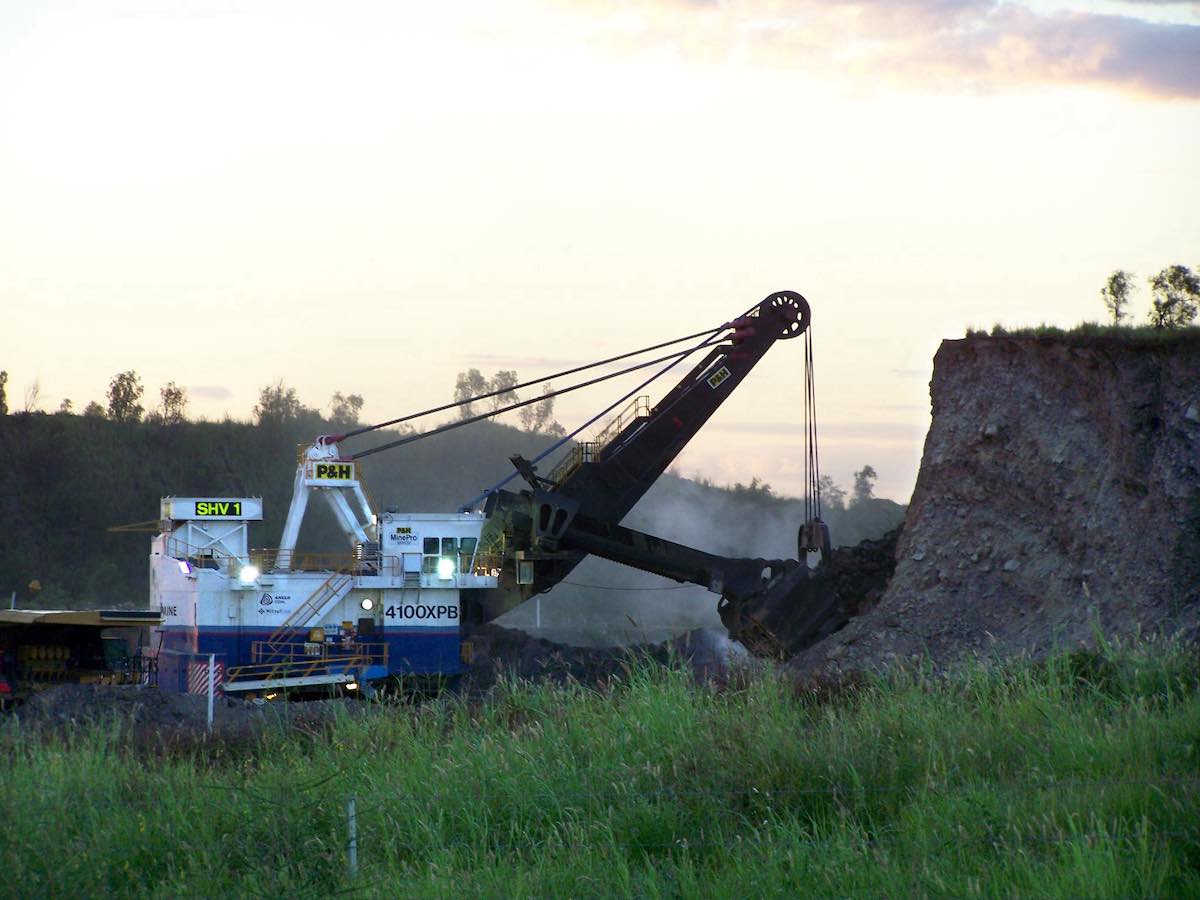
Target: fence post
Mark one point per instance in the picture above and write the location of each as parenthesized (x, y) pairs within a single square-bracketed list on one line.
[(212, 686), (352, 827)]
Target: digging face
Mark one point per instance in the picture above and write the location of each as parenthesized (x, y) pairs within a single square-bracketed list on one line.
[(808, 605), (1058, 499)]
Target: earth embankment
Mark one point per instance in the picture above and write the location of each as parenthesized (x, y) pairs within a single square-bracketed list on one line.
[(1058, 500)]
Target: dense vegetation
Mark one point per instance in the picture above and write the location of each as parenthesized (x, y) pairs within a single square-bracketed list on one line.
[(1073, 778), (68, 478), (1098, 333)]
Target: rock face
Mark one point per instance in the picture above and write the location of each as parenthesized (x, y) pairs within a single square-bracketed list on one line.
[(1058, 497)]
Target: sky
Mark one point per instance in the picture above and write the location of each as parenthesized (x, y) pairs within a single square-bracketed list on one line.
[(371, 197)]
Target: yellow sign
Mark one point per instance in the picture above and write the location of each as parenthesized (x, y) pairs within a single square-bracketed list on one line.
[(334, 471), (218, 508), (717, 377)]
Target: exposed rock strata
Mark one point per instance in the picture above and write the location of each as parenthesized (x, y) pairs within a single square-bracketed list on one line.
[(1058, 499)]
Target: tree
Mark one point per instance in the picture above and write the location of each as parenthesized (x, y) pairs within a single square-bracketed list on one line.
[(831, 495), (278, 403), (539, 417), (756, 491), (65, 407), (33, 395), (1116, 293), (864, 485), (3, 394), (172, 407), (124, 392), (94, 410), (1176, 297), (503, 381), (344, 409), (471, 383)]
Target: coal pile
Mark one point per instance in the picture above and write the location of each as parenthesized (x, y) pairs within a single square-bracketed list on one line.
[(707, 653)]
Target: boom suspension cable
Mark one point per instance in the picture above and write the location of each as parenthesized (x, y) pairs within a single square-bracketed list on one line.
[(470, 504), (563, 374), (812, 459), (678, 355)]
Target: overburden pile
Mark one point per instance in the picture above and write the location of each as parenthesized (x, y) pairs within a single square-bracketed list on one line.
[(1058, 503)]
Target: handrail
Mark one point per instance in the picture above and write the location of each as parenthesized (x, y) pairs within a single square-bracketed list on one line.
[(266, 653), (583, 452), (300, 561), (304, 667), (178, 549), (639, 406), (346, 563), (589, 451)]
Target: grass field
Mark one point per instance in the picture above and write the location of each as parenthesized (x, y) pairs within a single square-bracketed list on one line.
[(1076, 778)]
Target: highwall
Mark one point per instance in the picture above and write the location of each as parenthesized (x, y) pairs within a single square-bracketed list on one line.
[(1058, 501)]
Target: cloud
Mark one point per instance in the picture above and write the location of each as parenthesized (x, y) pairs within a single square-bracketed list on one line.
[(210, 391), (1011, 44), (940, 44)]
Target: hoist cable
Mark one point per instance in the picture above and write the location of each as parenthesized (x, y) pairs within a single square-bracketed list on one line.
[(563, 374), (471, 504), (812, 460), (680, 354)]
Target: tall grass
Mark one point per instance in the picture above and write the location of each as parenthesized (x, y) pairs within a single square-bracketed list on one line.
[(1076, 777)]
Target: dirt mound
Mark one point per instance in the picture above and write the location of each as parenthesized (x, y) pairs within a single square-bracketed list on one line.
[(1058, 498), (146, 715), (500, 652), (861, 573)]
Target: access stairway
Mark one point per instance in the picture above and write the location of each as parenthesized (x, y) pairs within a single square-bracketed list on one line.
[(330, 592)]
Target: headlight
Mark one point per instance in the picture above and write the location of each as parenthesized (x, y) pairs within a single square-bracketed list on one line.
[(248, 574), (445, 568), (367, 604)]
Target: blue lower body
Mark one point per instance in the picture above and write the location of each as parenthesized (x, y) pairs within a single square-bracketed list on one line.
[(412, 651)]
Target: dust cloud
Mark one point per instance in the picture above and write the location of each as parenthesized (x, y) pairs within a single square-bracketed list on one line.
[(603, 602)]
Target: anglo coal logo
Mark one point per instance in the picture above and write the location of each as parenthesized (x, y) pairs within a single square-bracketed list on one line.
[(266, 600)]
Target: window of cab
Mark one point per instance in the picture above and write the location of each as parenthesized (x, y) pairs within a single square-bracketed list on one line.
[(460, 550)]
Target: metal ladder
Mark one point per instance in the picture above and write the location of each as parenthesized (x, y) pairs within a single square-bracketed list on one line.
[(334, 586)]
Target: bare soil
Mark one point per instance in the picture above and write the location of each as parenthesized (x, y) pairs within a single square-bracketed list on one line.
[(1057, 504)]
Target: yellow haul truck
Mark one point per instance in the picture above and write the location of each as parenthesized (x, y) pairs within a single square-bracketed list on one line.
[(93, 646)]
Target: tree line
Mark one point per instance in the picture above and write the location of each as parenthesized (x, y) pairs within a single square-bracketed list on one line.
[(280, 404), (833, 495), (1174, 296)]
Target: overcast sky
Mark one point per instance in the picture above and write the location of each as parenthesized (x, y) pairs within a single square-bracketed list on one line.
[(370, 197)]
